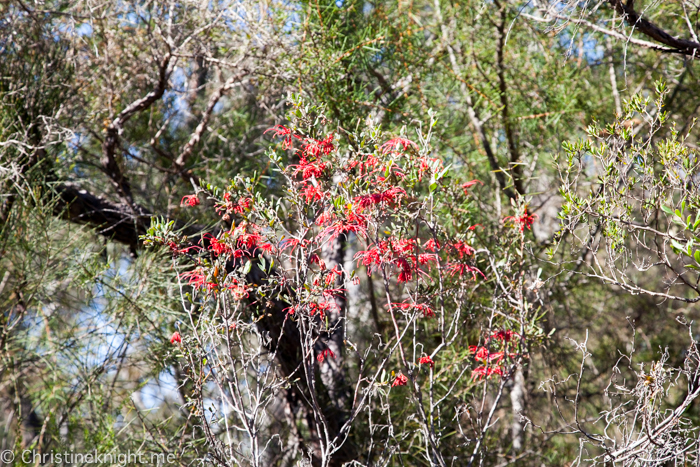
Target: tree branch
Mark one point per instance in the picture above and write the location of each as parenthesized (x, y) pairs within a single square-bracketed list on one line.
[(111, 142), (652, 31)]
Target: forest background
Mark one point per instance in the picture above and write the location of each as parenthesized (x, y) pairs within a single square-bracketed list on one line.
[(554, 149)]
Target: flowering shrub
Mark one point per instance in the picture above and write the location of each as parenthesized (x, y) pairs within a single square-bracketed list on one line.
[(280, 306)]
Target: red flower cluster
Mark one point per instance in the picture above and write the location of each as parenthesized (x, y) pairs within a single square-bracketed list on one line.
[(463, 249), (174, 247), (489, 358), (332, 274), (400, 380), (504, 335), (469, 184), (176, 338), (247, 239), (522, 221), (198, 279), (335, 227), (218, 246), (427, 311), (190, 200), (432, 245), (322, 308), (238, 291), (428, 163), (387, 196), (284, 132), (310, 146), (238, 207), (325, 354), (460, 269), (267, 248), (486, 371), (311, 193), (309, 169), (314, 259), (484, 355), (399, 252), (313, 147), (294, 243), (393, 145), (368, 166), (426, 361)]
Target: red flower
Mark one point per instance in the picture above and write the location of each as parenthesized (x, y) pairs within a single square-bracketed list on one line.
[(504, 336), (460, 269), (294, 243), (398, 252), (393, 145), (314, 147), (400, 380), (394, 170), (314, 259), (336, 271), (190, 200), (286, 133), (322, 308), (195, 278), (332, 293), (249, 240), (426, 361), (309, 169), (427, 311), (470, 184), (463, 249), (174, 248), (483, 354), (176, 338), (482, 371), (218, 246), (356, 223), (267, 248), (365, 201), (323, 355), (311, 193), (426, 258), (366, 166), (405, 246), (238, 291), (432, 245), (426, 164), (406, 273), (239, 207), (387, 196), (522, 221), (243, 205), (325, 218)]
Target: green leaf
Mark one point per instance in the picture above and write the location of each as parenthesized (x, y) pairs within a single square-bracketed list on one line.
[(246, 268), (677, 246), (440, 175)]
